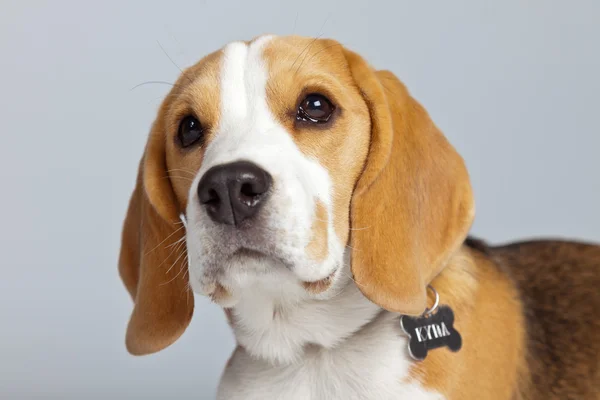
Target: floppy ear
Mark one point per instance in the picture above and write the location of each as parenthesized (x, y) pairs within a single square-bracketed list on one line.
[(413, 205), (152, 263)]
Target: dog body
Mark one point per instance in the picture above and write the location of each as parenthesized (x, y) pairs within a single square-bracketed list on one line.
[(319, 202)]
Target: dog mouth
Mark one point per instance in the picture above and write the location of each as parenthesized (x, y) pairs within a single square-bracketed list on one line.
[(244, 252), (226, 276), (322, 285), (247, 255), (313, 287)]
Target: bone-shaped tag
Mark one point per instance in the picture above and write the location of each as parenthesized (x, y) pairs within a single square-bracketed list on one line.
[(431, 332)]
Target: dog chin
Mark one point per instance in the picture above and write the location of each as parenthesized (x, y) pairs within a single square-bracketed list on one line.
[(222, 277), (251, 270)]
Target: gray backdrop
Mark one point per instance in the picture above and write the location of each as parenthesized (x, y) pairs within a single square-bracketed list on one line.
[(513, 84)]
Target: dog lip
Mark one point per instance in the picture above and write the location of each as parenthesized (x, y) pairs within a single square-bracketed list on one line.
[(246, 252), (321, 285)]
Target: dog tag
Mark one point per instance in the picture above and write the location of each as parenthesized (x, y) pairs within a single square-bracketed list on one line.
[(431, 331)]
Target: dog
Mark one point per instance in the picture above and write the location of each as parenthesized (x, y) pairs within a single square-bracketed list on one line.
[(315, 200)]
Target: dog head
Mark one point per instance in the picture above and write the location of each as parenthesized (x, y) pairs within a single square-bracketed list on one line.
[(288, 158)]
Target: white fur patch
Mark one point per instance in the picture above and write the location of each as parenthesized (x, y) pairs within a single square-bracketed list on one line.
[(344, 348)]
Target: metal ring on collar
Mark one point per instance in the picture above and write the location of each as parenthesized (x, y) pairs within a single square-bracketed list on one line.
[(429, 311)]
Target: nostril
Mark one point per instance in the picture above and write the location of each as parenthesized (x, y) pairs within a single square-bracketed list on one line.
[(212, 197), (248, 195), (248, 190)]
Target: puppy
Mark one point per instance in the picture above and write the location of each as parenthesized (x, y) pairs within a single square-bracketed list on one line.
[(314, 199)]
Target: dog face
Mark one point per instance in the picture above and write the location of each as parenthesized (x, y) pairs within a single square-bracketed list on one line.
[(288, 157), (275, 166)]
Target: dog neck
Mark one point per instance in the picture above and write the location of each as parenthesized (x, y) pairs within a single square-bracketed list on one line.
[(277, 322)]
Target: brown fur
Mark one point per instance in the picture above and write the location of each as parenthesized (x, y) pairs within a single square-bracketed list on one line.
[(219, 294), (413, 198), (489, 318), (528, 315), (151, 265), (317, 247), (195, 93), (152, 260), (559, 285)]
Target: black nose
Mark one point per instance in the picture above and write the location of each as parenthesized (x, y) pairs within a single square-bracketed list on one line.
[(232, 193)]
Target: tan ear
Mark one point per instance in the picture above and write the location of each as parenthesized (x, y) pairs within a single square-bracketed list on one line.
[(413, 204), (152, 264)]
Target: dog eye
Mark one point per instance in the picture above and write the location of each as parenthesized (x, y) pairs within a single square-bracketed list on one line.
[(315, 108), (190, 131)]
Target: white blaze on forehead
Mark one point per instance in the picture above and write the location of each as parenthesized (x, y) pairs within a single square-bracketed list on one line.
[(233, 96), (246, 121), (243, 82), (248, 130)]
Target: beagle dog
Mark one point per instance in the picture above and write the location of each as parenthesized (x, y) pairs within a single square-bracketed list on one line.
[(315, 200)]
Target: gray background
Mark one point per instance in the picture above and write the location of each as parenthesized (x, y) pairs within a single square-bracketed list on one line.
[(513, 84)]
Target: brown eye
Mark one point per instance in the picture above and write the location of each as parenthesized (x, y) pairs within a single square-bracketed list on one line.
[(315, 108), (190, 131)]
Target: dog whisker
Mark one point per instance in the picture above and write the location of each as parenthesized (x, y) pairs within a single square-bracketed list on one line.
[(303, 50), (164, 240), (173, 62), (177, 242), (186, 288), (175, 262), (307, 49), (175, 249), (152, 83), (181, 50), (178, 177), (349, 276), (324, 48), (319, 35), (176, 275), (182, 170), (180, 245)]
